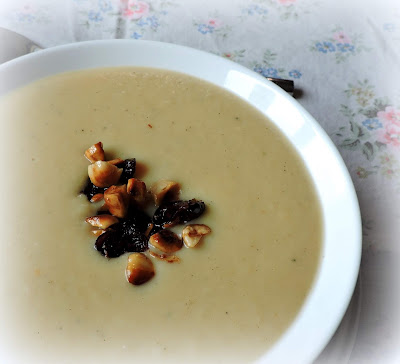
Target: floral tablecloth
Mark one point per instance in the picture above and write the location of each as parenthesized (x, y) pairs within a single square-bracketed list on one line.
[(344, 56)]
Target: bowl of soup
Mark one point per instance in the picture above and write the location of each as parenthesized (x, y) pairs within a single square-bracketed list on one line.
[(269, 284)]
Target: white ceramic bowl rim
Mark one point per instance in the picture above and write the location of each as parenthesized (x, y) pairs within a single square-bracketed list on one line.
[(335, 281)]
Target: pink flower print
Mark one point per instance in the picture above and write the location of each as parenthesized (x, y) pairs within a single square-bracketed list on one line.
[(135, 10), (390, 116), (388, 172), (215, 23), (287, 2), (388, 159), (341, 37), (391, 135), (362, 172)]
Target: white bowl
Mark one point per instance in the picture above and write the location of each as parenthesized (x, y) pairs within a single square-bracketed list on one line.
[(329, 297)]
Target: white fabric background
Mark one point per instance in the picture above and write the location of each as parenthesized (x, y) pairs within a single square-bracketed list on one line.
[(349, 84)]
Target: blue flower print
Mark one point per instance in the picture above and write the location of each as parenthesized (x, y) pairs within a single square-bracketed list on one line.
[(105, 5), (255, 9), (267, 72), (345, 47), (389, 27), (258, 69), (25, 17), (295, 74), (136, 35), (372, 124), (142, 22), (152, 21), (95, 16), (324, 47), (205, 28)]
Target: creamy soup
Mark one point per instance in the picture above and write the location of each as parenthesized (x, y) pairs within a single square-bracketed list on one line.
[(227, 300)]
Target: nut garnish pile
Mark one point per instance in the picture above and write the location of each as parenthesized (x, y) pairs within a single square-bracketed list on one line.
[(122, 224)]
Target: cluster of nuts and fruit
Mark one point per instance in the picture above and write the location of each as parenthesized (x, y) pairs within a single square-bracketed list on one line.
[(122, 224)]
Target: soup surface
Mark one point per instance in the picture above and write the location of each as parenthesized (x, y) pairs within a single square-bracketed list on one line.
[(228, 300)]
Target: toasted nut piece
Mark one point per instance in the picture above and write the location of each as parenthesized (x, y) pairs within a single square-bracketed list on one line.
[(166, 241), (104, 174), (193, 233), (103, 208), (164, 188), (97, 232), (102, 221), (139, 269), (165, 258), (117, 200), (95, 153), (148, 230), (115, 161), (137, 189), (97, 197)]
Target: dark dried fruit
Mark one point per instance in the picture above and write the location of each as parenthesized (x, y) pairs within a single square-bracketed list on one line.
[(135, 243), (137, 218), (128, 169), (90, 189), (178, 212), (125, 236), (110, 244), (114, 243), (132, 229)]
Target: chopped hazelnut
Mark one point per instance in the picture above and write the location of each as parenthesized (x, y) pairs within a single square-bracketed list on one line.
[(164, 188), (117, 200), (115, 161), (192, 234), (97, 232), (137, 190), (139, 269), (104, 174), (165, 257), (166, 241), (102, 221), (148, 230), (97, 197), (95, 153), (103, 208)]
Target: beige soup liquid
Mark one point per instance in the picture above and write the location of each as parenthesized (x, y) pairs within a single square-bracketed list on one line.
[(228, 300)]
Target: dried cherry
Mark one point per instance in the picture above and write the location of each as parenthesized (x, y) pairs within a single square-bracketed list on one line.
[(178, 212), (125, 236), (110, 244), (135, 243), (90, 189), (128, 169), (137, 218)]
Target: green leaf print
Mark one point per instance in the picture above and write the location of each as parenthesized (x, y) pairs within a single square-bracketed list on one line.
[(368, 151), (351, 144)]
